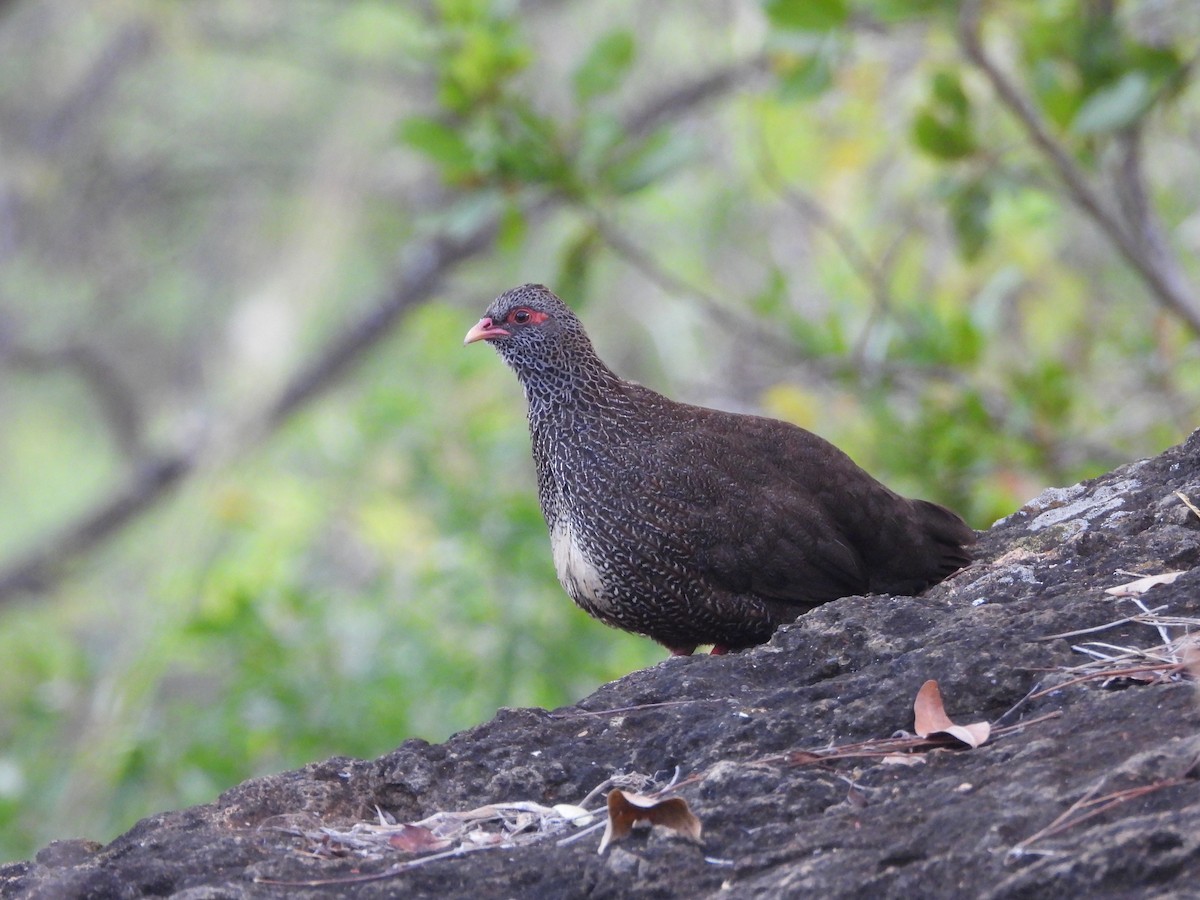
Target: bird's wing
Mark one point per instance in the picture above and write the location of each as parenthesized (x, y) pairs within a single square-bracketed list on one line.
[(743, 499)]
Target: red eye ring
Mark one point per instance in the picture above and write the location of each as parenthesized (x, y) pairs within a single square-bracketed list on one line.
[(523, 315)]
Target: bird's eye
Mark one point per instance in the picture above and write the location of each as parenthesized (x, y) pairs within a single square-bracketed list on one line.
[(523, 315)]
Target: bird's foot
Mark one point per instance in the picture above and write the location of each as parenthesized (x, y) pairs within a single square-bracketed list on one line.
[(718, 650), (682, 651)]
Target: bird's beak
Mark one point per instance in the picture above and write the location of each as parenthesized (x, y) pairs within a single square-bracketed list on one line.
[(484, 330)]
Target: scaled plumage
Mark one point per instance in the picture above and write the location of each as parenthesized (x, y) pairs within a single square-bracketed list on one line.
[(694, 526)]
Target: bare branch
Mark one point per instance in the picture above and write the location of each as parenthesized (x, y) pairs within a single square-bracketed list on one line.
[(117, 401), (38, 569), (906, 376), (1163, 276), (129, 45), (811, 210), (432, 262), (673, 104), (633, 256), (427, 267), (874, 276)]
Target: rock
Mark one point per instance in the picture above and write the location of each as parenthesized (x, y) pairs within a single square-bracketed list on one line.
[(957, 823)]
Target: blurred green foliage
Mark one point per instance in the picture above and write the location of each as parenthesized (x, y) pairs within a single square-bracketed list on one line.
[(849, 231)]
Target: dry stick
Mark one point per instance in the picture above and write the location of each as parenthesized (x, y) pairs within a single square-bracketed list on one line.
[(863, 749), (1123, 653), (391, 871), (1160, 627), (1188, 503), (1088, 794), (1167, 285), (637, 707), (1162, 669), (881, 747), (590, 829), (1139, 618), (1098, 806), (1012, 709)]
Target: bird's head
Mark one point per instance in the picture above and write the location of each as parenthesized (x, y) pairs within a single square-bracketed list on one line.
[(532, 329)]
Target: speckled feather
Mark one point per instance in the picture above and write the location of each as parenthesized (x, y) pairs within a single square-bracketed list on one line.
[(694, 526)]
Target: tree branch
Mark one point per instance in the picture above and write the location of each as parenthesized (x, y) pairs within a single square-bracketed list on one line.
[(153, 481), (1163, 276), (116, 399), (427, 267), (429, 264), (42, 566), (672, 104), (129, 45)]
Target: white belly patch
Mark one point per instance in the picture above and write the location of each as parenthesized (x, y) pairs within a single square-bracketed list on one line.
[(576, 573)]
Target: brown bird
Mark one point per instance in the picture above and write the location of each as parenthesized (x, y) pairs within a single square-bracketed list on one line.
[(693, 526)]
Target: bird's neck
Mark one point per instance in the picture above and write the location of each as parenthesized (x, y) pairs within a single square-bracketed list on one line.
[(551, 388), (563, 396)]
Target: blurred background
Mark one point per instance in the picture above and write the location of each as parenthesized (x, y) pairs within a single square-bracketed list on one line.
[(258, 506)]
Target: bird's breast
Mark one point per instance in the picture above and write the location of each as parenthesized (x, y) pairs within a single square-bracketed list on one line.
[(578, 575)]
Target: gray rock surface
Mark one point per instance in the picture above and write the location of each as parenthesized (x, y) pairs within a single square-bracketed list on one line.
[(778, 822)]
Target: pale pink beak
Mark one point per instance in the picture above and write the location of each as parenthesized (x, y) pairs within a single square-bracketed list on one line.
[(484, 330)]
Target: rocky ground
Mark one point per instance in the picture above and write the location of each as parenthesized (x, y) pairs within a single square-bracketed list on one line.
[(791, 755)]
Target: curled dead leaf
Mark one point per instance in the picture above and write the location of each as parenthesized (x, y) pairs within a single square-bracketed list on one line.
[(628, 810), (931, 719)]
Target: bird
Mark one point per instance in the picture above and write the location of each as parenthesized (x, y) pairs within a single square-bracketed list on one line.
[(694, 526)]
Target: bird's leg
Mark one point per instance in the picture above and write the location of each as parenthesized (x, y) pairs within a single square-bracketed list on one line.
[(718, 650), (682, 651)]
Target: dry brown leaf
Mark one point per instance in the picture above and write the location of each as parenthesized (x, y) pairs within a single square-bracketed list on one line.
[(1141, 585), (1190, 656), (416, 839), (931, 718), (627, 810)]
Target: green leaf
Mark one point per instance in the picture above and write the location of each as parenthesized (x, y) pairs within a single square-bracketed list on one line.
[(809, 77), (942, 128), (970, 213), (575, 268), (1115, 106), (941, 139), (771, 301), (440, 142), (606, 65), (527, 147), (1057, 90), (949, 94), (807, 15), (600, 133), (658, 156), (896, 11), (513, 227)]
